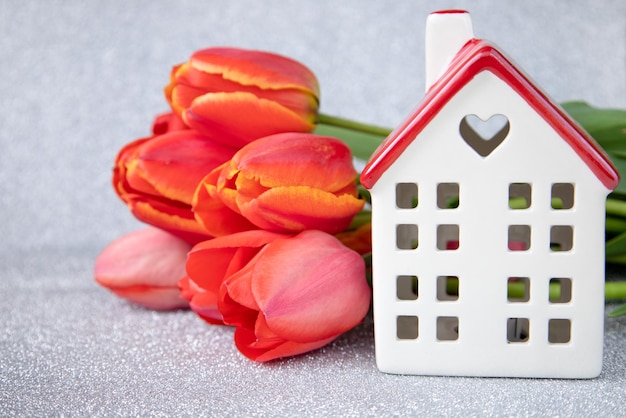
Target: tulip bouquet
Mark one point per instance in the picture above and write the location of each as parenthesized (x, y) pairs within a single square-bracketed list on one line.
[(256, 216)]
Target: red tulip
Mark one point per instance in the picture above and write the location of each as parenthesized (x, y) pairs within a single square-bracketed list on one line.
[(237, 95), (210, 262), (144, 267), (287, 183), (297, 294), (157, 178)]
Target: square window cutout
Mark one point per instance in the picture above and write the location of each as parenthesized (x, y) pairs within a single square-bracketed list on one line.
[(406, 195), (447, 288), (560, 290), (520, 195), (407, 327), (519, 237), (448, 195), (448, 237), (447, 328), (562, 196), (518, 289), (406, 236), (517, 330), (406, 287), (561, 237), (559, 331)]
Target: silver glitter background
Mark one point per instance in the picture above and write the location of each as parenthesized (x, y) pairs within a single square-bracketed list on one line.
[(80, 79)]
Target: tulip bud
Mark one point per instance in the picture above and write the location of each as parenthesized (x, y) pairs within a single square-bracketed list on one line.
[(144, 267), (157, 178), (211, 262), (237, 95), (283, 307), (287, 183)]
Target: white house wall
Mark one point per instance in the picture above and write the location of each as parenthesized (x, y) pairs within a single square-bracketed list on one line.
[(531, 153)]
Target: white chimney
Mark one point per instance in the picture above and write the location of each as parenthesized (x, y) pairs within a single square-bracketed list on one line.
[(446, 32)]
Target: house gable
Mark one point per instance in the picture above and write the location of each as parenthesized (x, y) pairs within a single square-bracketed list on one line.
[(477, 56)]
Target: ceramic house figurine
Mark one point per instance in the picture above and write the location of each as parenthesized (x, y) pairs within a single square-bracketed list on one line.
[(488, 224)]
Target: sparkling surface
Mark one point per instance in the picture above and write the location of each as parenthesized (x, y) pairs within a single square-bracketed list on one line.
[(71, 348), (80, 79)]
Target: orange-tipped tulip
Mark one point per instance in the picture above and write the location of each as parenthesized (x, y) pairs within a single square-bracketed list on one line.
[(157, 178), (144, 267), (297, 294), (237, 95), (287, 183)]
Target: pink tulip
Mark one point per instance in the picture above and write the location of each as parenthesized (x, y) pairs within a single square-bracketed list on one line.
[(297, 294), (144, 267)]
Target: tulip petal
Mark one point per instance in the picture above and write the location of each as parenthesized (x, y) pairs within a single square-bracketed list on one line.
[(227, 254), (298, 208), (248, 67), (169, 88), (136, 179), (178, 221), (150, 297), (211, 261), (120, 173), (310, 287), (238, 118), (144, 267), (217, 218), (238, 288), (167, 122), (246, 343), (190, 83), (224, 185), (242, 311), (204, 304), (174, 163), (300, 159), (265, 337)]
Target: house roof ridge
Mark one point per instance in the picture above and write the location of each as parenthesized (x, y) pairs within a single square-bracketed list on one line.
[(475, 56)]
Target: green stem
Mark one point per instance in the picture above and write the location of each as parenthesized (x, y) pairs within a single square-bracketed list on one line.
[(615, 225), (616, 207), (352, 125), (615, 291), (617, 259)]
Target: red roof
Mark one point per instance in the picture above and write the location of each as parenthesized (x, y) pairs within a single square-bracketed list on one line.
[(476, 56)]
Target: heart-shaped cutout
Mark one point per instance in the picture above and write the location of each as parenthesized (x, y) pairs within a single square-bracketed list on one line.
[(484, 135)]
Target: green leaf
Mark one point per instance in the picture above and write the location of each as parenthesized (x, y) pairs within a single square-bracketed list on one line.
[(606, 126), (614, 225), (619, 311), (616, 246)]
